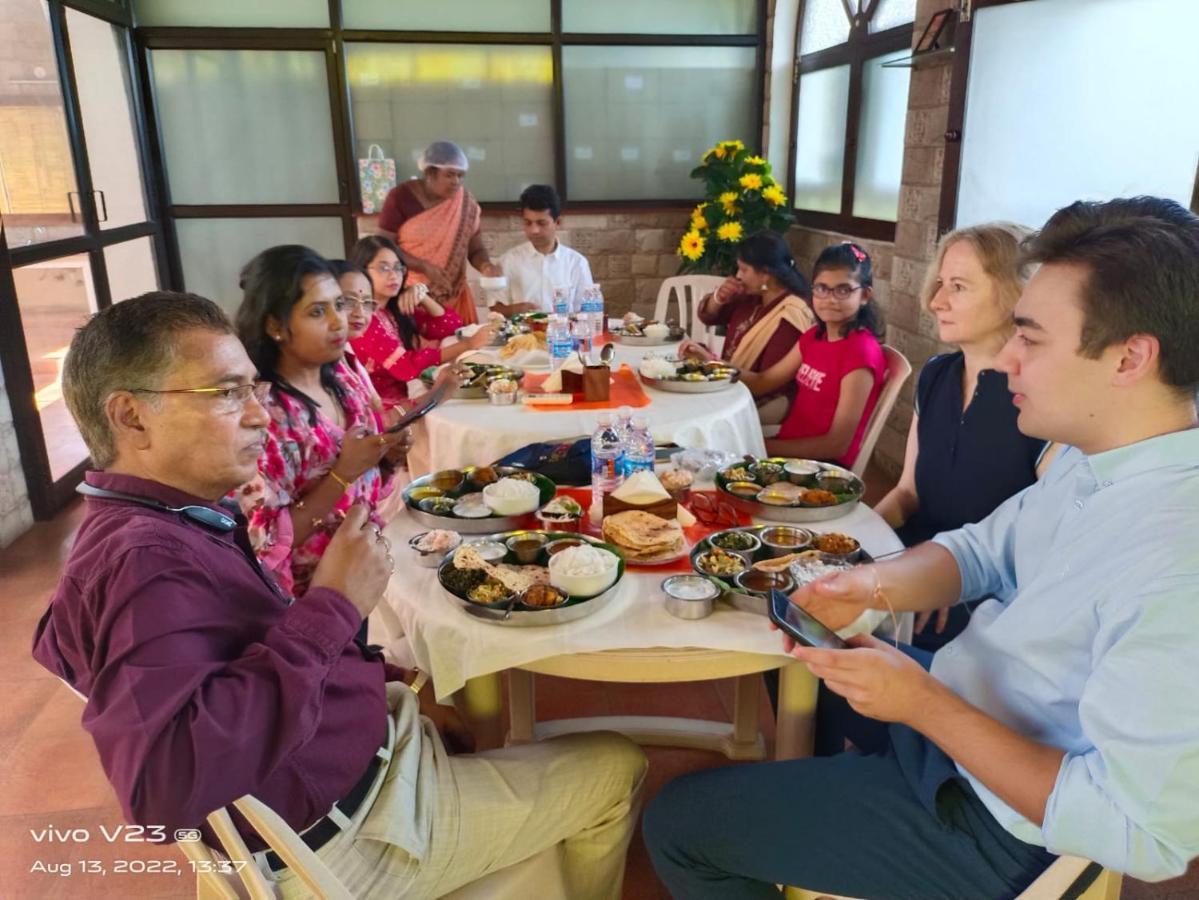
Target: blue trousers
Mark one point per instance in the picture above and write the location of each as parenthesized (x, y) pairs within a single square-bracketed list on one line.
[(894, 820)]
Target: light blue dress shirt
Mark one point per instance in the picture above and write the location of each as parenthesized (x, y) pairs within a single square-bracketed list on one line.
[(1091, 645)]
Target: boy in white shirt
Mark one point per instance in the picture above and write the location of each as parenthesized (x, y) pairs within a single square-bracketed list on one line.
[(541, 264)]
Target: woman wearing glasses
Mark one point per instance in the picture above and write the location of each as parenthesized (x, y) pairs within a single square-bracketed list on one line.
[(842, 367), (357, 297), (405, 317), (324, 442), (765, 309)]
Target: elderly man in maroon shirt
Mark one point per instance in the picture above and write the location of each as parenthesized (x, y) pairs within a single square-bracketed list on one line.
[(205, 682)]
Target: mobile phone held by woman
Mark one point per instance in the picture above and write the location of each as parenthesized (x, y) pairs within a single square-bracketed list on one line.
[(801, 626)]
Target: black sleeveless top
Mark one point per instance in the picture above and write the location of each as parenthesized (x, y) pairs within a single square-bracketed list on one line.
[(968, 464)]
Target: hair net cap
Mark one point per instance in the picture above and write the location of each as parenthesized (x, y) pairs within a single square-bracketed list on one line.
[(443, 155)]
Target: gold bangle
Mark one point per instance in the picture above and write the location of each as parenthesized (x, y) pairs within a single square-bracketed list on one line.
[(419, 681), (345, 485)]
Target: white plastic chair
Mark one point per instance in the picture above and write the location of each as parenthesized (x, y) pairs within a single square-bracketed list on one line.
[(688, 292), (1069, 876), (898, 371)]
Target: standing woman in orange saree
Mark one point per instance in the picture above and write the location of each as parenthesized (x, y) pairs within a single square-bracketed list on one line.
[(435, 222)]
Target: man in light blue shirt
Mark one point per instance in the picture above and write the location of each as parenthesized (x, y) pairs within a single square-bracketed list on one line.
[(1065, 718)]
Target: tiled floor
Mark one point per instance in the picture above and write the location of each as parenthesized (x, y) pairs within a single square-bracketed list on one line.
[(50, 775)]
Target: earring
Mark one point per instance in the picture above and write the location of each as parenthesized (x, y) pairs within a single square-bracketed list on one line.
[(765, 286), (276, 337)]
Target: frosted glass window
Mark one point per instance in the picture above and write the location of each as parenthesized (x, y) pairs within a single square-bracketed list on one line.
[(820, 139), (660, 17), (638, 119), (215, 250), (105, 99), (824, 25), (131, 268), (233, 13), (880, 138), (495, 101), (245, 126), (892, 14), (466, 15), (1119, 119)]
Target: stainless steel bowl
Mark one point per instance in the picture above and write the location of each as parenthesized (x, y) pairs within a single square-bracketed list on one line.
[(430, 559), (690, 596)]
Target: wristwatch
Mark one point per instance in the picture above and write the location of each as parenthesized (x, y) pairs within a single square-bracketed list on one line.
[(419, 680)]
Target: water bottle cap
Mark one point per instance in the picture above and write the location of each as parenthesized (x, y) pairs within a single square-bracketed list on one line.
[(603, 419), (626, 412)]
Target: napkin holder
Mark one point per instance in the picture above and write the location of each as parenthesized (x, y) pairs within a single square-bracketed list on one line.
[(666, 508), (593, 383)]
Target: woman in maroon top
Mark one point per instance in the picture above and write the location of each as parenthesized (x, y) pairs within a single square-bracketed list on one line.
[(765, 308)]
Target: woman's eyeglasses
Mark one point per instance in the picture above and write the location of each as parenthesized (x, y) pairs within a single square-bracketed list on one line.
[(841, 291), (387, 269), (349, 302), (713, 512)]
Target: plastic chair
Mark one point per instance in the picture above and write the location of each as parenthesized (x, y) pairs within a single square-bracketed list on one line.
[(688, 291), (1069, 876), (898, 371)]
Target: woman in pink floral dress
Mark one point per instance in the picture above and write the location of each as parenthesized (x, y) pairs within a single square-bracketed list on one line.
[(325, 448), (403, 336)]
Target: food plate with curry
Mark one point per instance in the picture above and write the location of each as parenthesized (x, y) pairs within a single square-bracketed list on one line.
[(790, 490), (474, 386), (687, 376), (477, 499), (544, 578), (649, 333), (747, 563)]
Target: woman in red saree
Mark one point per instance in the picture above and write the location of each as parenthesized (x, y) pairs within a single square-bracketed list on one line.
[(435, 222)]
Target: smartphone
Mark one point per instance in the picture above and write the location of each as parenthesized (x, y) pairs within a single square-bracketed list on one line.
[(801, 626), (427, 404)]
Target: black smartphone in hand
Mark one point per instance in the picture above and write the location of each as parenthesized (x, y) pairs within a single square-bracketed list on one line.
[(801, 626)]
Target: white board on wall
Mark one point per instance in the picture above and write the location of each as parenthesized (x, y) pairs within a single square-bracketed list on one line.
[(1079, 100)]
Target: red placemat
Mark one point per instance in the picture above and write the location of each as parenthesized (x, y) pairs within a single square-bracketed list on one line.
[(694, 534), (625, 391)]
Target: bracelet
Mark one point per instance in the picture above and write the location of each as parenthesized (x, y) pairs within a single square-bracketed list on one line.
[(345, 485), (878, 599), (419, 681)]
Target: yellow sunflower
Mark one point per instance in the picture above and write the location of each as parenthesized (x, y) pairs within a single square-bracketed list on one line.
[(719, 152), (729, 232), (691, 246), (698, 222), (732, 147), (750, 182), (755, 161), (774, 195), (729, 201)]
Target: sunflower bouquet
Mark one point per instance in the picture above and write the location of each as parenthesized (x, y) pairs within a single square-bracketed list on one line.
[(742, 198)]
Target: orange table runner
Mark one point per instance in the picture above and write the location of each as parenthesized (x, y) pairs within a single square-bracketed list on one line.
[(625, 390), (694, 534)]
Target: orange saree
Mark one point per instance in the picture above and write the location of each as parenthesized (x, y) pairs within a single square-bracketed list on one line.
[(441, 234)]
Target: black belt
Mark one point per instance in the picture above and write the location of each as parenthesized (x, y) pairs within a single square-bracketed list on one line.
[(326, 828)]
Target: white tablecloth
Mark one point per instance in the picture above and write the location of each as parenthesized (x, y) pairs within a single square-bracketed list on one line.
[(473, 432), (452, 646)]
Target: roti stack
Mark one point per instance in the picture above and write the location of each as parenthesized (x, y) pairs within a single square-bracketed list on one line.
[(643, 536)]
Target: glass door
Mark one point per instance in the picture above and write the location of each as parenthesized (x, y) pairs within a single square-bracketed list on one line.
[(79, 230)]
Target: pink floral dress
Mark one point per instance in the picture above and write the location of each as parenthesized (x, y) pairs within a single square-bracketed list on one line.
[(298, 453), (392, 365)]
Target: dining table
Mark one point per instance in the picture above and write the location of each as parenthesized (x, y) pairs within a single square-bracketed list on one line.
[(631, 639), (473, 432)]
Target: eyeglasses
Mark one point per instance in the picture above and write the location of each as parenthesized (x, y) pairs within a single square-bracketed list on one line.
[(350, 302), (387, 269), (713, 512), (228, 400), (841, 291)]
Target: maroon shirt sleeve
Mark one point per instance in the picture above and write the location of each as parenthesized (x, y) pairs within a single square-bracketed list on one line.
[(390, 216), (783, 341), (721, 316), (182, 728)]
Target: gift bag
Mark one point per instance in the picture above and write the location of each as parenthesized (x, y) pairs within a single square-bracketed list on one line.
[(376, 177)]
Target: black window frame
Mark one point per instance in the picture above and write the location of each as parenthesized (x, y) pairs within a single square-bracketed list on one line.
[(859, 49)]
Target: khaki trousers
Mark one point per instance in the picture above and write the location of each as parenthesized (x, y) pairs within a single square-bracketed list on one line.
[(435, 822)]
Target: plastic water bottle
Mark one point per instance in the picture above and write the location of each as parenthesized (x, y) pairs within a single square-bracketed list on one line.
[(562, 301), (638, 448), (623, 425), (592, 308), (606, 454), (583, 333), (558, 337)]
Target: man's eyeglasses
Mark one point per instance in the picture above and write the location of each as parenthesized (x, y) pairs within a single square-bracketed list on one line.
[(230, 399), (713, 512), (841, 291), (388, 268), (350, 302)]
